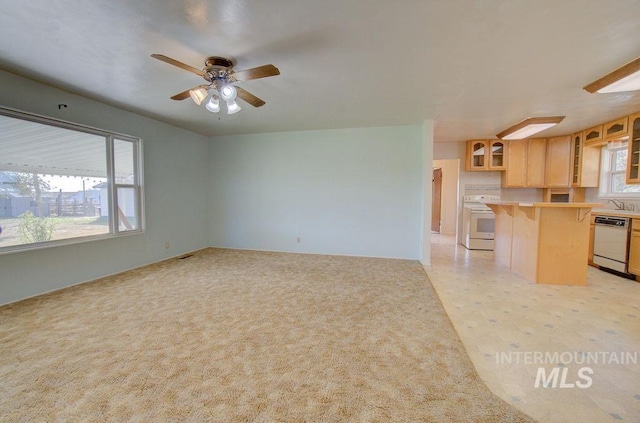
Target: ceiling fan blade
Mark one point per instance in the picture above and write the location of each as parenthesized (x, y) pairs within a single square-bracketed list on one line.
[(249, 98), (255, 73), (174, 62), (185, 94)]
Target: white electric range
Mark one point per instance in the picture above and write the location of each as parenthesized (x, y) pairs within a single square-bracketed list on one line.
[(478, 222)]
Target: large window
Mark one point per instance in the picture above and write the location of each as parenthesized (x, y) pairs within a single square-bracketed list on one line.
[(614, 173), (62, 183)]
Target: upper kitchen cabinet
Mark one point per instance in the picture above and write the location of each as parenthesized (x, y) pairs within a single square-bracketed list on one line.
[(498, 149), (585, 162), (525, 164), (486, 155), (633, 156), (615, 129), (536, 162), (558, 169), (516, 174), (593, 136)]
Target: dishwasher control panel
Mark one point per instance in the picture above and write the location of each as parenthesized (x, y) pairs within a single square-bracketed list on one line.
[(622, 222)]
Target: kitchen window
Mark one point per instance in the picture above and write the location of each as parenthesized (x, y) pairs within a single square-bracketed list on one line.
[(64, 183), (614, 172)]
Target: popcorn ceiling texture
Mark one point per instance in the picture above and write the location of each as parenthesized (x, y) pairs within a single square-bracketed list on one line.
[(243, 336)]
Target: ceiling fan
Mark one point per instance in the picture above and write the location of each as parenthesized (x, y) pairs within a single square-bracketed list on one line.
[(221, 78)]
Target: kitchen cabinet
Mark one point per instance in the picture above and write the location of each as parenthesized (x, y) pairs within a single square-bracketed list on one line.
[(585, 162), (615, 129), (576, 158), (486, 155), (525, 163), (497, 154), (634, 248), (633, 156), (558, 162), (536, 162), (593, 136), (516, 172)]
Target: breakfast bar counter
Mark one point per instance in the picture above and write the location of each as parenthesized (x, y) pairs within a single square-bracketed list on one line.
[(545, 243)]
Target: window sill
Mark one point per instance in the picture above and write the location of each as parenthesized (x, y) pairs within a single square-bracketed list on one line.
[(62, 242)]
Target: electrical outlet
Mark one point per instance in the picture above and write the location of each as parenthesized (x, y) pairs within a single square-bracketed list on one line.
[(166, 245)]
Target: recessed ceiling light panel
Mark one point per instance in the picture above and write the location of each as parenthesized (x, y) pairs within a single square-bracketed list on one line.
[(626, 78), (529, 127)]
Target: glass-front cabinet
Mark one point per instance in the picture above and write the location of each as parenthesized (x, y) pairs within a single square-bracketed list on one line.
[(497, 149), (576, 158), (486, 155), (633, 161), (477, 155)]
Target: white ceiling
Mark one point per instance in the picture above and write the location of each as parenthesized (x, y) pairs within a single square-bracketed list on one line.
[(475, 67)]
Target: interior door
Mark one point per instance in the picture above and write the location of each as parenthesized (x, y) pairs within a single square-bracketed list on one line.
[(436, 200)]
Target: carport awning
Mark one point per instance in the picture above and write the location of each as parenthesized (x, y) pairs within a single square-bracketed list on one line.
[(38, 148)]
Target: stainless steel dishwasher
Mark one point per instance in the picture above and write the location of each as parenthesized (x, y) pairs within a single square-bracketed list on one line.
[(611, 243)]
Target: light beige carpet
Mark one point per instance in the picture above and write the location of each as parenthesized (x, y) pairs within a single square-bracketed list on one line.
[(241, 336)]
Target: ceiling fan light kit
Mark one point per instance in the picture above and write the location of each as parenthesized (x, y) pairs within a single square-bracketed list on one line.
[(625, 78), (213, 105), (221, 77), (529, 127), (198, 95)]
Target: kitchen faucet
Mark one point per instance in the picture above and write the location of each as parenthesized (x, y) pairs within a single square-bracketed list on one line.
[(618, 203)]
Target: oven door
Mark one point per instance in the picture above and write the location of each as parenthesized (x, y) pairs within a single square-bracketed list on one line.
[(482, 225)]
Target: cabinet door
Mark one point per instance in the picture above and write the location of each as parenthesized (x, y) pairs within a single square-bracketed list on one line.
[(576, 159), (477, 155), (633, 155), (497, 154), (585, 162), (634, 248), (590, 167), (593, 135), (615, 129), (515, 175), (536, 158), (558, 161)]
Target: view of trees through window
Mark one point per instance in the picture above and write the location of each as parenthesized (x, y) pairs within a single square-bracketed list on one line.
[(37, 208)]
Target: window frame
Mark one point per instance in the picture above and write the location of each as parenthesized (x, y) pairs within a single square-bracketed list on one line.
[(138, 184), (607, 171)]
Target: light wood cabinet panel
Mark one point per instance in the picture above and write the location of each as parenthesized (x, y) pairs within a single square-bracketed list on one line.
[(593, 135), (634, 248), (615, 129), (515, 175), (633, 156), (536, 162), (558, 162)]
